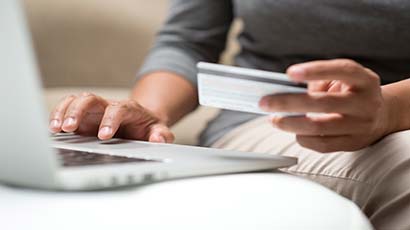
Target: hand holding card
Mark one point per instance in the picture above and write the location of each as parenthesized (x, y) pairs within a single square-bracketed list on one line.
[(241, 89)]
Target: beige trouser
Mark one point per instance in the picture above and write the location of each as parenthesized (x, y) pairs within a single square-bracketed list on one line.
[(377, 178)]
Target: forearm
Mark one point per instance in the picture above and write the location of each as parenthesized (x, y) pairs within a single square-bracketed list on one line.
[(178, 48), (397, 96), (167, 95)]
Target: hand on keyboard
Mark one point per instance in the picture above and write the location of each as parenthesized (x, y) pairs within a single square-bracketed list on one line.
[(89, 114)]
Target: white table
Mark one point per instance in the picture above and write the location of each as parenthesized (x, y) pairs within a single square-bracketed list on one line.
[(243, 201)]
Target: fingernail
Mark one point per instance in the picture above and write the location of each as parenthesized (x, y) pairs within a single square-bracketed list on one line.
[(105, 131), (55, 124), (162, 139), (69, 122), (297, 72)]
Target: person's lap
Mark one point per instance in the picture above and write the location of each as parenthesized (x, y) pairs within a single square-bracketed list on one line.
[(375, 178)]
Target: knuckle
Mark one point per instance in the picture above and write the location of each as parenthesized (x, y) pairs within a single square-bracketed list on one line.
[(113, 115), (347, 62), (56, 113), (372, 77), (73, 113), (375, 79), (71, 96), (68, 98), (133, 104), (349, 65), (53, 116), (108, 118), (123, 105), (115, 103)]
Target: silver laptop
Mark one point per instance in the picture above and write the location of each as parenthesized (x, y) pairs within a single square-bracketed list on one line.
[(30, 158)]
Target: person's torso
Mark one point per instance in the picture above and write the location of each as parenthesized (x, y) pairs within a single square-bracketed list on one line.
[(278, 33)]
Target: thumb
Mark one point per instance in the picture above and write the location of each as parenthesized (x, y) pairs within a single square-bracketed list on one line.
[(160, 133)]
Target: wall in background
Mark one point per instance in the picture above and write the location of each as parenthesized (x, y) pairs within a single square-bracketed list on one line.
[(98, 43), (93, 42)]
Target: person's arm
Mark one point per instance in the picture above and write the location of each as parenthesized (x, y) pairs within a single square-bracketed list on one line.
[(399, 102), (194, 31), (166, 89), (168, 95)]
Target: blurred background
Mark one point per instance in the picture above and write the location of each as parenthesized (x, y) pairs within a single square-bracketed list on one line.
[(98, 45)]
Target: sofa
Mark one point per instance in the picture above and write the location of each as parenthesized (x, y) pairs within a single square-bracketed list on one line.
[(98, 45)]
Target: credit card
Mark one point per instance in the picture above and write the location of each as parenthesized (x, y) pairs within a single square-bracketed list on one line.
[(240, 89)]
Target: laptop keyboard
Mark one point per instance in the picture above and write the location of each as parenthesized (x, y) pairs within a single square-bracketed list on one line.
[(74, 158)]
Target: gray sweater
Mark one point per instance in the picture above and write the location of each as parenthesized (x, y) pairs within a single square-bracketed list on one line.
[(279, 33)]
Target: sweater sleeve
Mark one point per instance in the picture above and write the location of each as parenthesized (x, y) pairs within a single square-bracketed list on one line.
[(195, 30)]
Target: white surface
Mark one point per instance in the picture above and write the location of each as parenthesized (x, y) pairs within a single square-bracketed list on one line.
[(246, 201)]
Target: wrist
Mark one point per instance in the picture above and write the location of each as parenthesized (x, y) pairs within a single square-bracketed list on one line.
[(162, 117), (391, 121), (157, 115)]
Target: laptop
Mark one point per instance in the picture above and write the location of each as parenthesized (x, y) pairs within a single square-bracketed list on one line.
[(29, 157)]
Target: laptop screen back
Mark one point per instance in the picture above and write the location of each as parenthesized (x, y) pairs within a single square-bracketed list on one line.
[(25, 156)]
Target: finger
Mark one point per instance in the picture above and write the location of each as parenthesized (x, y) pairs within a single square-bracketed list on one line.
[(312, 102), (328, 144), (319, 86), (78, 108), (344, 70), (57, 115), (115, 114), (161, 134), (326, 125)]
